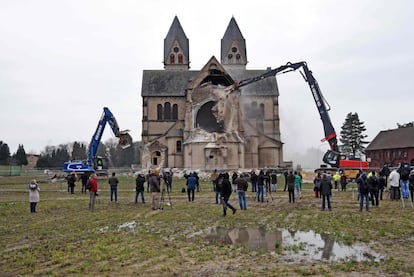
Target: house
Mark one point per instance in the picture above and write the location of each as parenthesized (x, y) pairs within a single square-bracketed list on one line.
[(190, 121), (391, 147)]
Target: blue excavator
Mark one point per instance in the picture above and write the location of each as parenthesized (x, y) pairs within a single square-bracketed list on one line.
[(96, 163)]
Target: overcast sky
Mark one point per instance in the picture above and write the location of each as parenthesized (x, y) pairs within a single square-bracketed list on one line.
[(61, 62)]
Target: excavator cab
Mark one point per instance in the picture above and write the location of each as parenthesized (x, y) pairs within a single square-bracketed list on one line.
[(332, 158)]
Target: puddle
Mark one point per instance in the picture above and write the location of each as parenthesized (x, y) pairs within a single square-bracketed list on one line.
[(294, 245)]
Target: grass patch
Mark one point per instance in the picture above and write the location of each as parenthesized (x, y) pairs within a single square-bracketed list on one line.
[(128, 239)]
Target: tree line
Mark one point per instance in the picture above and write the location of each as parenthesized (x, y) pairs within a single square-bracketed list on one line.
[(56, 156)]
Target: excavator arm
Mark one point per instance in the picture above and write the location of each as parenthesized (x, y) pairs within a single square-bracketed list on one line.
[(93, 162), (125, 140), (332, 157)]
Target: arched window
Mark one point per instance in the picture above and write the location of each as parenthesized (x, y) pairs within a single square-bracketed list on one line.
[(262, 111), (167, 111), (175, 112), (155, 157), (172, 59), (178, 146), (180, 58), (159, 112)]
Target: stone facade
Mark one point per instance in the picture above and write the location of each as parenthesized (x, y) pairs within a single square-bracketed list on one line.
[(197, 120)]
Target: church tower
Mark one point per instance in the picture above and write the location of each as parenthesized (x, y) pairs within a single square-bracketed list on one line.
[(233, 47), (176, 48)]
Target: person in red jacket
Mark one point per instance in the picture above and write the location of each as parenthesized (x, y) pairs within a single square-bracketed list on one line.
[(93, 191)]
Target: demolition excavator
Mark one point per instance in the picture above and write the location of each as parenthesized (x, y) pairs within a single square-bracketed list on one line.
[(332, 157), (96, 163)]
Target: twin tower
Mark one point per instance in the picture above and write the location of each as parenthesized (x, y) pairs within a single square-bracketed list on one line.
[(190, 120)]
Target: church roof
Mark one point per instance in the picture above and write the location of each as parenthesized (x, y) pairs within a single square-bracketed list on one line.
[(176, 32), (174, 83), (393, 139), (166, 82)]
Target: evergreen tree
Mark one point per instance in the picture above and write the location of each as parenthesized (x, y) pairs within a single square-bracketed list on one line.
[(53, 157), (20, 156), (352, 136), (4, 153), (79, 151)]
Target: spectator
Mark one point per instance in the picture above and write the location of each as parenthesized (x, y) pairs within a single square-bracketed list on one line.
[(191, 186), (343, 181), (326, 188), (71, 182), (317, 185), (93, 191), (394, 184), (411, 184), (291, 186), (242, 186), (34, 195), (298, 185), (84, 179), (168, 180), (404, 171), (374, 188), (385, 172), (233, 181), (113, 183), (219, 186), (139, 188), (260, 185), (253, 179), (154, 183), (273, 179), (363, 190), (336, 178), (225, 194)]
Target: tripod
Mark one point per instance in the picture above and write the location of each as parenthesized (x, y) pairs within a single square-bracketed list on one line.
[(162, 200), (268, 192)]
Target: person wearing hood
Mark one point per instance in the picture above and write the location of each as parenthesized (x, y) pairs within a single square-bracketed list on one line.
[(191, 186), (34, 195)]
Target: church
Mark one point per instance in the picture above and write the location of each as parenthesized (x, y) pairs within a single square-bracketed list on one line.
[(198, 119)]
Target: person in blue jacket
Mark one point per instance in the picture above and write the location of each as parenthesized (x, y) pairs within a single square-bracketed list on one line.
[(191, 186)]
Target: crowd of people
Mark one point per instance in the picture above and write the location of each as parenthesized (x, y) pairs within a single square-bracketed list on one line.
[(371, 186)]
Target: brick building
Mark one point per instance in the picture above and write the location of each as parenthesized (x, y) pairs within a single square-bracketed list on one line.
[(190, 121), (392, 147)]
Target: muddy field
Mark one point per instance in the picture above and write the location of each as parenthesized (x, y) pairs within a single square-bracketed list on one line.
[(274, 238)]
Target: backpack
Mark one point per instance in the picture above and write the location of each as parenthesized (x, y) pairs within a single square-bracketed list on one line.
[(364, 187), (405, 173)]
